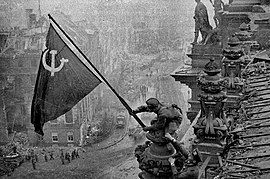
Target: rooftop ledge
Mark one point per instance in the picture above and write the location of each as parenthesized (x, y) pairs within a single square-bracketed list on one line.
[(186, 70), (246, 2)]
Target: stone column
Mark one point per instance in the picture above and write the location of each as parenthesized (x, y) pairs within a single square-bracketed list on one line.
[(211, 128), (232, 64), (189, 78)]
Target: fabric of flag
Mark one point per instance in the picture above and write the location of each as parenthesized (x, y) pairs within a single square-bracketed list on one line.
[(62, 81)]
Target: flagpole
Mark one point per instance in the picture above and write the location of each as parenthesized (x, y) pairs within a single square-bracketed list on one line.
[(105, 81)]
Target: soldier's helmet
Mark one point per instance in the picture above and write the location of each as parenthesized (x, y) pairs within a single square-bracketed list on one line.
[(152, 103)]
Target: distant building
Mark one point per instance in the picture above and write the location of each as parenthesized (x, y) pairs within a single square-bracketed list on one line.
[(64, 130), (19, 59)]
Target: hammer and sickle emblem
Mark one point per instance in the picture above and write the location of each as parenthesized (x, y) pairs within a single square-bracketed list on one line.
[(52, 68)]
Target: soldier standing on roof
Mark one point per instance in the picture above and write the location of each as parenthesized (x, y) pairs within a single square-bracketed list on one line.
[(202, 24), (218, 5)]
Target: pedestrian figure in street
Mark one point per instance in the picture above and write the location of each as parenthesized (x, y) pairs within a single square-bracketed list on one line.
[(33, 160), (44, 154), (28, 156), (73, 155), (31, 154), (45, 157), (68, 157), (77, 153), (62, 157), (36, 157), (14, 149), (51, 156)]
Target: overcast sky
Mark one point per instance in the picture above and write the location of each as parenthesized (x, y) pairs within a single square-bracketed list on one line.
[(74, 7), (49, 5)]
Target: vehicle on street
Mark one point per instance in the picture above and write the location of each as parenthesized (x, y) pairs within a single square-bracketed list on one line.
[(120, 121)]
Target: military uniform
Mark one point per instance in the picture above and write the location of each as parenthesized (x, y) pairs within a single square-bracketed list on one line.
[(201, 22), (167, 117), (217, 7)]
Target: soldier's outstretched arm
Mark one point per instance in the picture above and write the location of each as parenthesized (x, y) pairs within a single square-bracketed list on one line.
[(141, 109)]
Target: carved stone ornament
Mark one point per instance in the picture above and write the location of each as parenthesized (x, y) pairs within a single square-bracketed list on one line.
[(211, 82), (212, 68), (153, 156), (156, 163), (233, 53), (212, 97), (232, 65), (234, 50), (234, 83), (209, 86), (211, 123), (245, 34)]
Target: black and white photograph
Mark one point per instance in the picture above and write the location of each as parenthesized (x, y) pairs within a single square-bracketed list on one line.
[(134, 89)]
